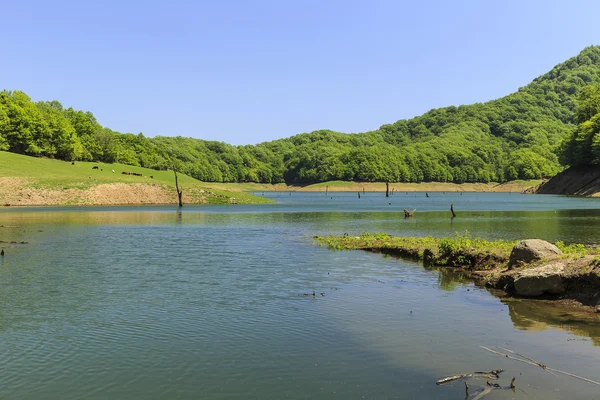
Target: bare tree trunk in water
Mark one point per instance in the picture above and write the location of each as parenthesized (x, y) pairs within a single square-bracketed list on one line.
[(452, 210), (179, 191), (387, 189)]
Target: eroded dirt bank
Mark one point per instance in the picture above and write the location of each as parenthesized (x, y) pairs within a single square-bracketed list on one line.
[(19, 192), (575, 181)]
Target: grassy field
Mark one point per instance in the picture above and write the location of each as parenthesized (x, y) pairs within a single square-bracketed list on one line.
[(53, 175), (60, 174)]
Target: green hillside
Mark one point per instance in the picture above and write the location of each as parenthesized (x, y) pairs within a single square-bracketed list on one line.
[(44, 173), (582, 147), (514, 137)]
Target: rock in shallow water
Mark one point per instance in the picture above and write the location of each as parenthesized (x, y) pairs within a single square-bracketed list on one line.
[(530, 250), (540, 280)]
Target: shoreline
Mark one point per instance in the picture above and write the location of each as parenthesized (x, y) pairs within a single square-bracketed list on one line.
[(344, 186), (569, 276), (28, 192)]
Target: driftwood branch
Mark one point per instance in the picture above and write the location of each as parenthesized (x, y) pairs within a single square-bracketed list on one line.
[(480, 392), (495, 374), (453, 378), (408, 214), (538, 364)]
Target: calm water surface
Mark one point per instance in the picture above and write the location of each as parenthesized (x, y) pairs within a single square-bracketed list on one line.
[(152, 303)]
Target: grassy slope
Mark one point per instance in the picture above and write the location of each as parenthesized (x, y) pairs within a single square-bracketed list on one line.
[(42, 173)]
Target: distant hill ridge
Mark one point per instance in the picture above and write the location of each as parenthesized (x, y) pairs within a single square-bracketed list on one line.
[(514, 137)]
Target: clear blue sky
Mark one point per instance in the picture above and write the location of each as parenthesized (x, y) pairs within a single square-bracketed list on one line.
[(250, 71)]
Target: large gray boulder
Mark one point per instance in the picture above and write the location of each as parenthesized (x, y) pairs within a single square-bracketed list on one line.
[(540, 280), (530, 250)]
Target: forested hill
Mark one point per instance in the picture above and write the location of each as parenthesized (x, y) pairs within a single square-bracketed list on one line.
[(515, 137)]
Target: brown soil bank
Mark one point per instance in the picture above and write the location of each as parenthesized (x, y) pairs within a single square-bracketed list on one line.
[(18, 192), (530, 268), (577, 181), (347, 186)]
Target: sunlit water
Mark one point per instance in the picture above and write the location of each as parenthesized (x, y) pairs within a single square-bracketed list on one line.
[(153, 303)]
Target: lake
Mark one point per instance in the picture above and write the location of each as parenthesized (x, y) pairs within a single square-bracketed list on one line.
[(207, 302)]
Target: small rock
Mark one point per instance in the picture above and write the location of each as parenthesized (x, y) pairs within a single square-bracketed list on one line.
[(540, 280), (530, 250)]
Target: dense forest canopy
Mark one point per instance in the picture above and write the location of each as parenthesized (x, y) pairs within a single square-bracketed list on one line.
[(520, 136), (582, 147)]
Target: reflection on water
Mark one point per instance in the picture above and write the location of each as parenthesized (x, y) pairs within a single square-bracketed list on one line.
[(203, 302), (542, 315), (449, 279), (534, 315)]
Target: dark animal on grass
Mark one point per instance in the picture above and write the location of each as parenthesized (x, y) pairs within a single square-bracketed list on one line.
[(95, 167)]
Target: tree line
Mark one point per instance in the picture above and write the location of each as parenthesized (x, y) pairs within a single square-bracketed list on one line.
[(532, 133), (582, 146)]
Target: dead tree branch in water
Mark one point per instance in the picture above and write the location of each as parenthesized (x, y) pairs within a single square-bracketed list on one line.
[(494, 374), (179, 191), (526, 360), (387, 189), (539, 364), (408, 214), (480, 392), (452, 210)]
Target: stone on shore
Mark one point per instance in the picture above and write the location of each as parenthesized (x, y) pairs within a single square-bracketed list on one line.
[(546, 279), (530, 250)]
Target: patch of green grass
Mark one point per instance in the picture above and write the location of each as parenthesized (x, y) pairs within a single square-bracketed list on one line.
[(466, 243), (445, 247), (575, 249), (379, 241)]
